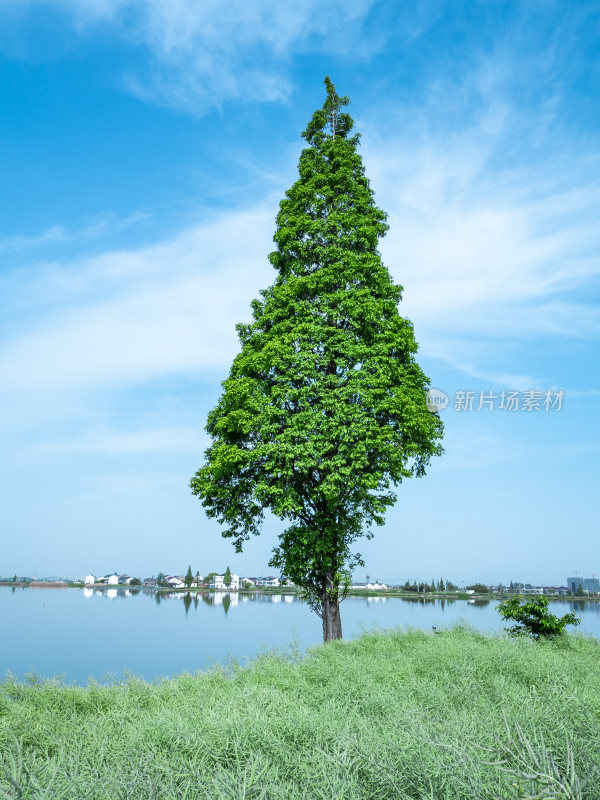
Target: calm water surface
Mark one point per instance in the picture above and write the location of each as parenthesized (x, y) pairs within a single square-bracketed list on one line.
[(78, 634)]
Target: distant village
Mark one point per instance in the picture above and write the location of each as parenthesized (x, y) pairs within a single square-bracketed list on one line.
[(229, 581)]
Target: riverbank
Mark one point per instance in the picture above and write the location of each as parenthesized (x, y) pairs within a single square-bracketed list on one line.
[(418, 596), (388, 715)]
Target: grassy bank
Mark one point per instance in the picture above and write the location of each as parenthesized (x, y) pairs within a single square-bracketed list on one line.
[(389, 715)]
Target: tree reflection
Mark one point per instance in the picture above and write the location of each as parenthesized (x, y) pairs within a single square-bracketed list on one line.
[(187, 602)]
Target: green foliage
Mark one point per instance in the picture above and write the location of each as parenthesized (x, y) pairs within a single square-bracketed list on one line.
[(160, 579), (210, 578), (480, 588), (389, 716), (135, 582), (188, 577), (533, 618), (227, 577), (324, 411)]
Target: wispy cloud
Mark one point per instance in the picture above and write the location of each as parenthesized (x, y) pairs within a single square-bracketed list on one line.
[(58, 234), (108, 441), (490, 242), (203, 54), (126, 318)]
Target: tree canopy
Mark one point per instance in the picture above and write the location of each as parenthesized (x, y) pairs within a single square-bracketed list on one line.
[(324, 411)]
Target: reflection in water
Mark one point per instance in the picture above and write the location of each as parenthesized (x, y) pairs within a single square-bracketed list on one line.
[(187, 602), (53, 635), (226, 599), (231, 599)]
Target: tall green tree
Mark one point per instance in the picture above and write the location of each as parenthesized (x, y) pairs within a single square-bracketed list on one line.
[(324, 411), (188, 577), (227, 577)]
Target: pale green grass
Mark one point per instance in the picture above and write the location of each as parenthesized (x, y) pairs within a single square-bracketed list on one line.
[(389, 715)]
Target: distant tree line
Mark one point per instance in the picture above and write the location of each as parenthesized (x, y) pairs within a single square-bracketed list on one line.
[(422, 586)]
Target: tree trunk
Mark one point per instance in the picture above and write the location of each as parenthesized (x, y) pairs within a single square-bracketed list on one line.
[(332, 622)]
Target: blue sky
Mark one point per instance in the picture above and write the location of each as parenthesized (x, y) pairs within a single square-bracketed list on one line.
[(145, 147)]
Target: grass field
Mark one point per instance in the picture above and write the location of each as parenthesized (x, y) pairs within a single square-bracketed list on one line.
[(391, 714)]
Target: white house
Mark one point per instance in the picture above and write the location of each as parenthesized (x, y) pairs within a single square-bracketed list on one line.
[(112, 580), (219, 582), (370, 586), (175, 581), (270, 581), (89, 579)]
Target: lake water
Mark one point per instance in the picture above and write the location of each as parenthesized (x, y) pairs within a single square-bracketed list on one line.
[(78, 634)]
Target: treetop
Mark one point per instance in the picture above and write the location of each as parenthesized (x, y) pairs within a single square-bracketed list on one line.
[(330, 116)]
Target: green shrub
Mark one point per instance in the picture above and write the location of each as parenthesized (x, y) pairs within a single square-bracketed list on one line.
[(533, 618)]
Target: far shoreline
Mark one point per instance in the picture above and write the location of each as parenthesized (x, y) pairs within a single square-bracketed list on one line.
[(268, 590)]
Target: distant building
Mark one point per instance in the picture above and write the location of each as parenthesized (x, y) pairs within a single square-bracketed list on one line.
[(591, 585), (219, 582), (89, 579), (269, 581), (112, 580)]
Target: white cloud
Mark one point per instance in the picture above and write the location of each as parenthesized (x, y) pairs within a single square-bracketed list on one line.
[(58, 234), (486, 249), (126, 318), (204, 53), (108, 441)]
